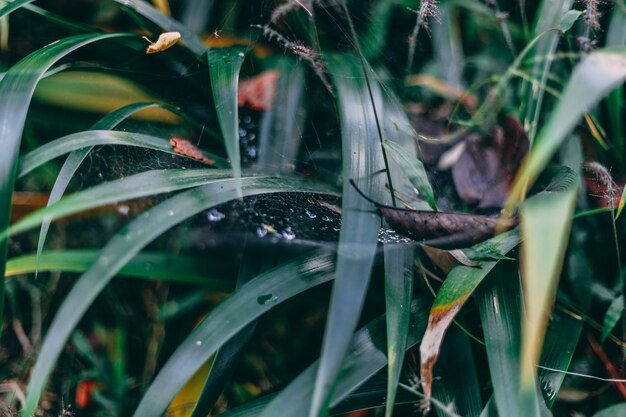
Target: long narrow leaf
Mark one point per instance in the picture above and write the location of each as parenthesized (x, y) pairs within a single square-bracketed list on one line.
[(224, 65), (16, 90), (399, 261), (12, 6), (121, 249), (359, 224), (500, 311), (161, 266), (136, 186), (546, 223)]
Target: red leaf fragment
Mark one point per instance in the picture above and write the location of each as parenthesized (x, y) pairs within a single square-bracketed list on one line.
[(258, 92), (185, 147), (485, 171)]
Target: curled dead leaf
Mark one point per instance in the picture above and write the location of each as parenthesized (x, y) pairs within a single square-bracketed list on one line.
[(165, 41), (258, 92), (184, 147), (441, 230)]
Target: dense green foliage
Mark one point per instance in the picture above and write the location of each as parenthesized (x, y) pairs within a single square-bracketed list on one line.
[(248, 167)]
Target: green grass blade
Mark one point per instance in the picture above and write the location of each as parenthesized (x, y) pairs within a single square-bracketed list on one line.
[(561, 340), (616, 33), (16, 90), (165, 22), (500, 308), (414, 170), (617, 410), (125, 246), (224, 65), (399, 261), (592, 79), (136, 186), (366, 357), (455, 291), (280, 132), (359, 223), (232, 315), (447, 45), (616, 36), (549, 17), (546, 222), (612, 316), (161, 266), (12, 6), (407, 170)]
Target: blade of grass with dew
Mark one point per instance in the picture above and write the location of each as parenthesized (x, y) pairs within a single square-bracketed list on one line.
[(224, 66), (455, 291), (359, 222), (148, 265), (365, 357), (612, 316), (617, 410), (457, 386), (561, 340), (253, 262), (91, 138), (549, 16), (399, 260), (280, 131), (545, 225), (135, 186), (16, 89), (241, 308), (594, 77), (123, 247), (499, 303), (165, 22)]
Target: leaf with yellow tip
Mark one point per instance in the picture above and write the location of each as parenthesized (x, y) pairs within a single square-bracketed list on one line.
[(545, 226)]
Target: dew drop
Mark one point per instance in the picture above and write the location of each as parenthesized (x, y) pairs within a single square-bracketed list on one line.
[(327, 219), (289, 234), (267, 299), (123, 209), (198, 342), (215, 215), (310, 214), (241, 54), (261, 232), (170, 213)]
